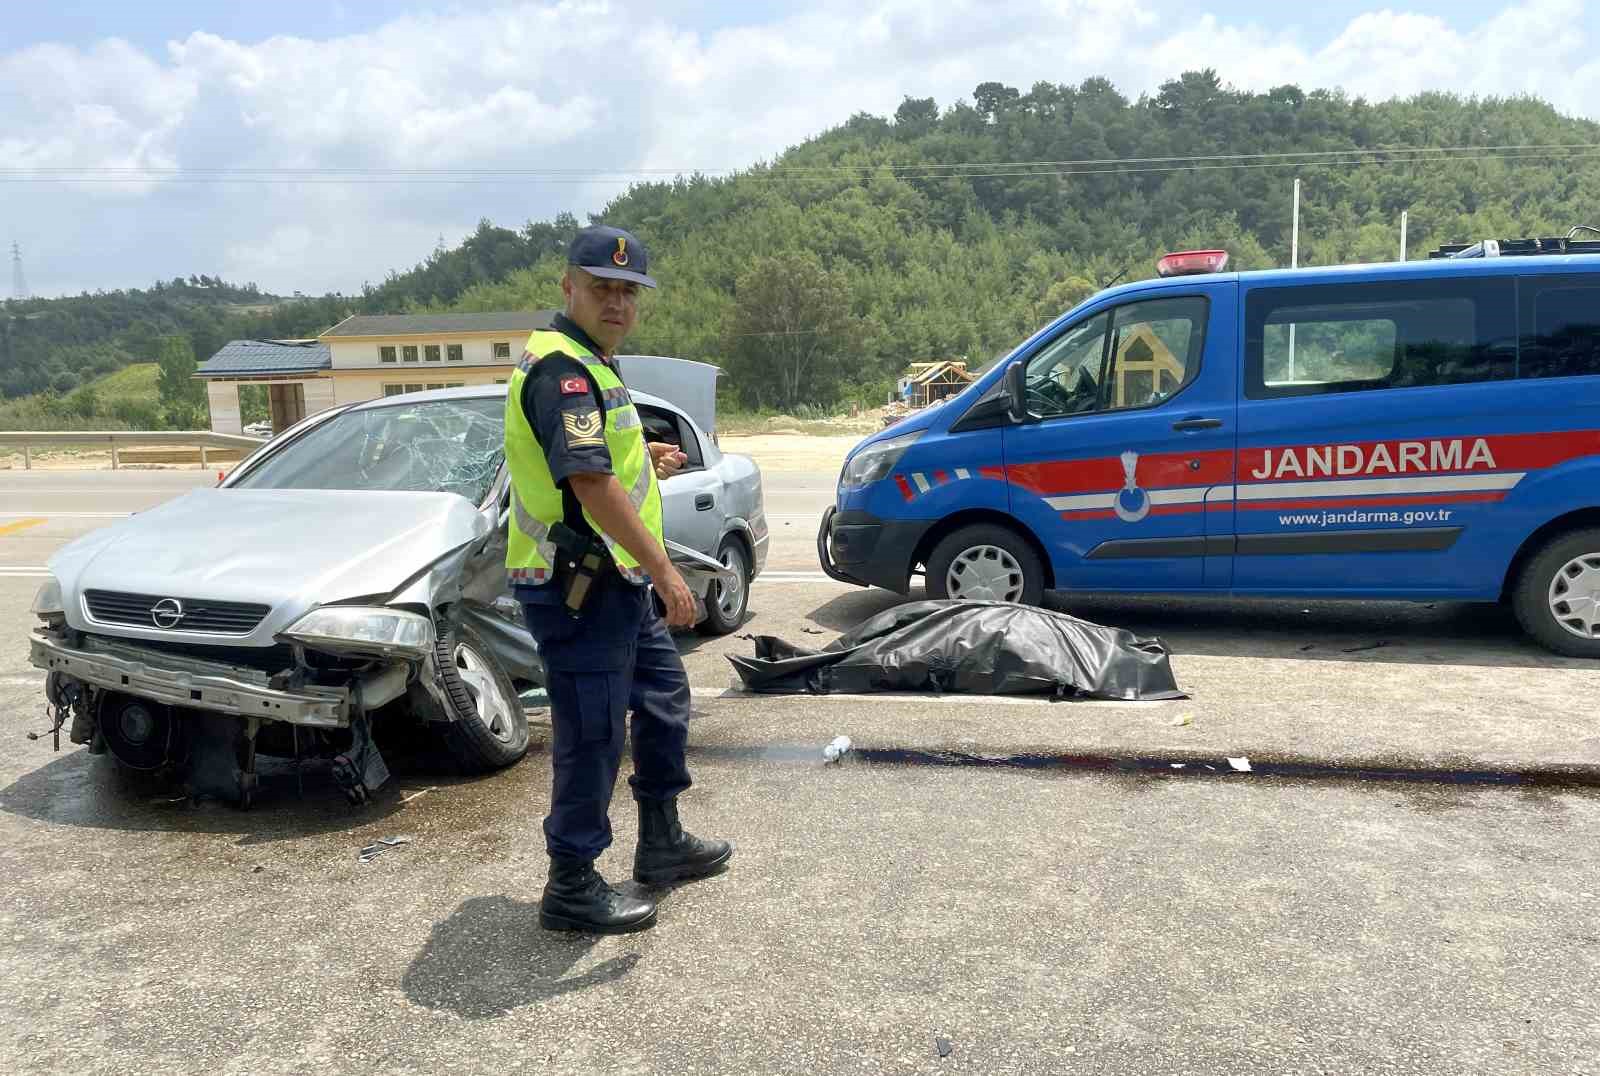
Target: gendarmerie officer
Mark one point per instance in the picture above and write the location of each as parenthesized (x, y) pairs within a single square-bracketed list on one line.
[(584, 551)]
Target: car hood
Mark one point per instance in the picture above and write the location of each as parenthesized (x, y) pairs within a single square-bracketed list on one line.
[(289, 549)]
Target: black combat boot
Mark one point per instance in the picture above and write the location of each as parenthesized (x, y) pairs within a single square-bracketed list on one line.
[(667, 854), (577, 898)]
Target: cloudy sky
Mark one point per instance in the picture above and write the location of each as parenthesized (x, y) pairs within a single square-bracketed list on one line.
[(153, 99)]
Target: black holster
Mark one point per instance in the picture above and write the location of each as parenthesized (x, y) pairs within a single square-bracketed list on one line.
[(581, 561)]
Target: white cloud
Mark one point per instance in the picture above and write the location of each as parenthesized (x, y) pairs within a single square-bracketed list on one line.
[(594, 84)]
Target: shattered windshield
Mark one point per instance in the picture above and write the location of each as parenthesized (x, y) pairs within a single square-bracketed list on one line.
[(441, 446)]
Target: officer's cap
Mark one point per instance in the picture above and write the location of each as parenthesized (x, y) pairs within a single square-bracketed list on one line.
[(611, 253)]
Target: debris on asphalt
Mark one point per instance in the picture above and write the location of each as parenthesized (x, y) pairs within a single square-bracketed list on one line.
[(257, 869), (813, 631), (381, 845), (1380, 644), (943, 1045), (1181, 720), (1308, 646), (836, 749), (968, 647), (1242, 765)]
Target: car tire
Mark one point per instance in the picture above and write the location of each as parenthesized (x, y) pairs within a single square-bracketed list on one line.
[(488, 728), (985, 562), (1564, 567), (722, 617)]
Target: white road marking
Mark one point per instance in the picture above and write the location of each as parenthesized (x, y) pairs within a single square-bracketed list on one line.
[(13, 571), (48, 515), (794, 577), (22, 681)]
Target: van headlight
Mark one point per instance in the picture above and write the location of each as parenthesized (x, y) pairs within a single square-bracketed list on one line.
[(48, 602), (360, 629), (875, 461)]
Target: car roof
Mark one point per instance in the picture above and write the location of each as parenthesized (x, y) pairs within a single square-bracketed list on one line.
[(490, 392)]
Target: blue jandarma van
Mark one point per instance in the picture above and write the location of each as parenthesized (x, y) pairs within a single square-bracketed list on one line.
[(1423, 430)]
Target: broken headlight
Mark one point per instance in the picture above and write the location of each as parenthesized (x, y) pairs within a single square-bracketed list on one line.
[(48, 603), (874, 461), (359, 629)]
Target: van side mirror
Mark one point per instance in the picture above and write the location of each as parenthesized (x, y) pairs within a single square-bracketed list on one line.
[(1017, 393)]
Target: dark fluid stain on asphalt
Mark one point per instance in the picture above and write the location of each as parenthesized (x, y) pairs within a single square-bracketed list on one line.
[(1536, 786), (491, 957)]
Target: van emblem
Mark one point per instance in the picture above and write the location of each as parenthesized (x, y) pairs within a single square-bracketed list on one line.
[(1132, 503)]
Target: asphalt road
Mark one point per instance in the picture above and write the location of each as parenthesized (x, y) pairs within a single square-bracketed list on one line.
[(1034, 884)]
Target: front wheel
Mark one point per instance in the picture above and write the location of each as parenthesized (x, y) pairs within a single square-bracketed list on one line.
[(1557, 595), (488, 729), (985, 562), (726, 602)]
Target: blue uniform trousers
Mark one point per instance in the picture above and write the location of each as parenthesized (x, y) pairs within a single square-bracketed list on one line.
[(618, 657)]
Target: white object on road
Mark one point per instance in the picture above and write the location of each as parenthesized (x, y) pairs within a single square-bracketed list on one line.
[(836, 749), (1240, 764)]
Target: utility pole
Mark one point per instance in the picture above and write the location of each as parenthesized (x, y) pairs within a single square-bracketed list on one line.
[(1294, 263), (1404, 214), (19, 284)]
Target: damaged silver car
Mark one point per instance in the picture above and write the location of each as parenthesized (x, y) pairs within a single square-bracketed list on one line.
[(349, 574)]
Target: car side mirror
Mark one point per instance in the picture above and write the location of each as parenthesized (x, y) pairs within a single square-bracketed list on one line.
[(1017, 393)]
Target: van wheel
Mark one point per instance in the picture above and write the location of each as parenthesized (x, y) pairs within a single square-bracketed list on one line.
[(985, 562), (1557, 596), (488, 728)]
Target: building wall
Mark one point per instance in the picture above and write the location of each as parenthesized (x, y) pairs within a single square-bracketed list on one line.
[(222, 397), (355, 388)]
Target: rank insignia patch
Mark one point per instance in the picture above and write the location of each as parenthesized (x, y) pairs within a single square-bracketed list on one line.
[(582, 428)]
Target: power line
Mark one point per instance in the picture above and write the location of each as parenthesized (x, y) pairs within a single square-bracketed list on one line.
[(1346, 158)]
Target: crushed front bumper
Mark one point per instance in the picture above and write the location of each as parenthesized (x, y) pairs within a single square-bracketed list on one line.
[(189, 682)]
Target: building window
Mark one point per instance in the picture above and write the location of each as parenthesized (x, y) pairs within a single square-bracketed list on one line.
[(501, 380), (456, 385), (393, 390), (431, 353), (413, 388), (409, 352), (386, 354), (502, 350), (454, 352)]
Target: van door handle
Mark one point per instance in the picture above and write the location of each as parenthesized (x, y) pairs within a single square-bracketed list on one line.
[(704, 502), (1186, 424)]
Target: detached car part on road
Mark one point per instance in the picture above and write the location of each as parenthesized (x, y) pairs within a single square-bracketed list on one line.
[(349, 574)]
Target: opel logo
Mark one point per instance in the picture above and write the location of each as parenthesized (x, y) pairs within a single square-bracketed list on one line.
[(167, 612)]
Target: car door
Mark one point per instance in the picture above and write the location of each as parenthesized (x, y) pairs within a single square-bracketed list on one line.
[(1132, 425), (692, 500)]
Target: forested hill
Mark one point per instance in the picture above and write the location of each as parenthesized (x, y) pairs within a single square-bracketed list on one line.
[(953, 230)]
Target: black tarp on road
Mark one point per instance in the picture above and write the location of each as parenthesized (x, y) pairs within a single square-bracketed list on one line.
[(968, 647)]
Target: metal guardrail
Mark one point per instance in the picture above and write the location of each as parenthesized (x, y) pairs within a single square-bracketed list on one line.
[(118, 439)]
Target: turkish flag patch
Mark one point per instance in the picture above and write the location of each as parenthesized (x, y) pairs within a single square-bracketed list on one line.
[(573, 386)]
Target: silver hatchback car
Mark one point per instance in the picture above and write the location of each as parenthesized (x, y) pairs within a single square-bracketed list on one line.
[(348, 573)]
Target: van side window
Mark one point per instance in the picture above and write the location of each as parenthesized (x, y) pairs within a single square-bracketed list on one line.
[(1319, 339), (1565, 336), (1138, 355)]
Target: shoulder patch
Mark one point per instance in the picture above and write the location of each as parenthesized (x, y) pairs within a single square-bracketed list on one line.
[(574, 386), (583, 428)]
